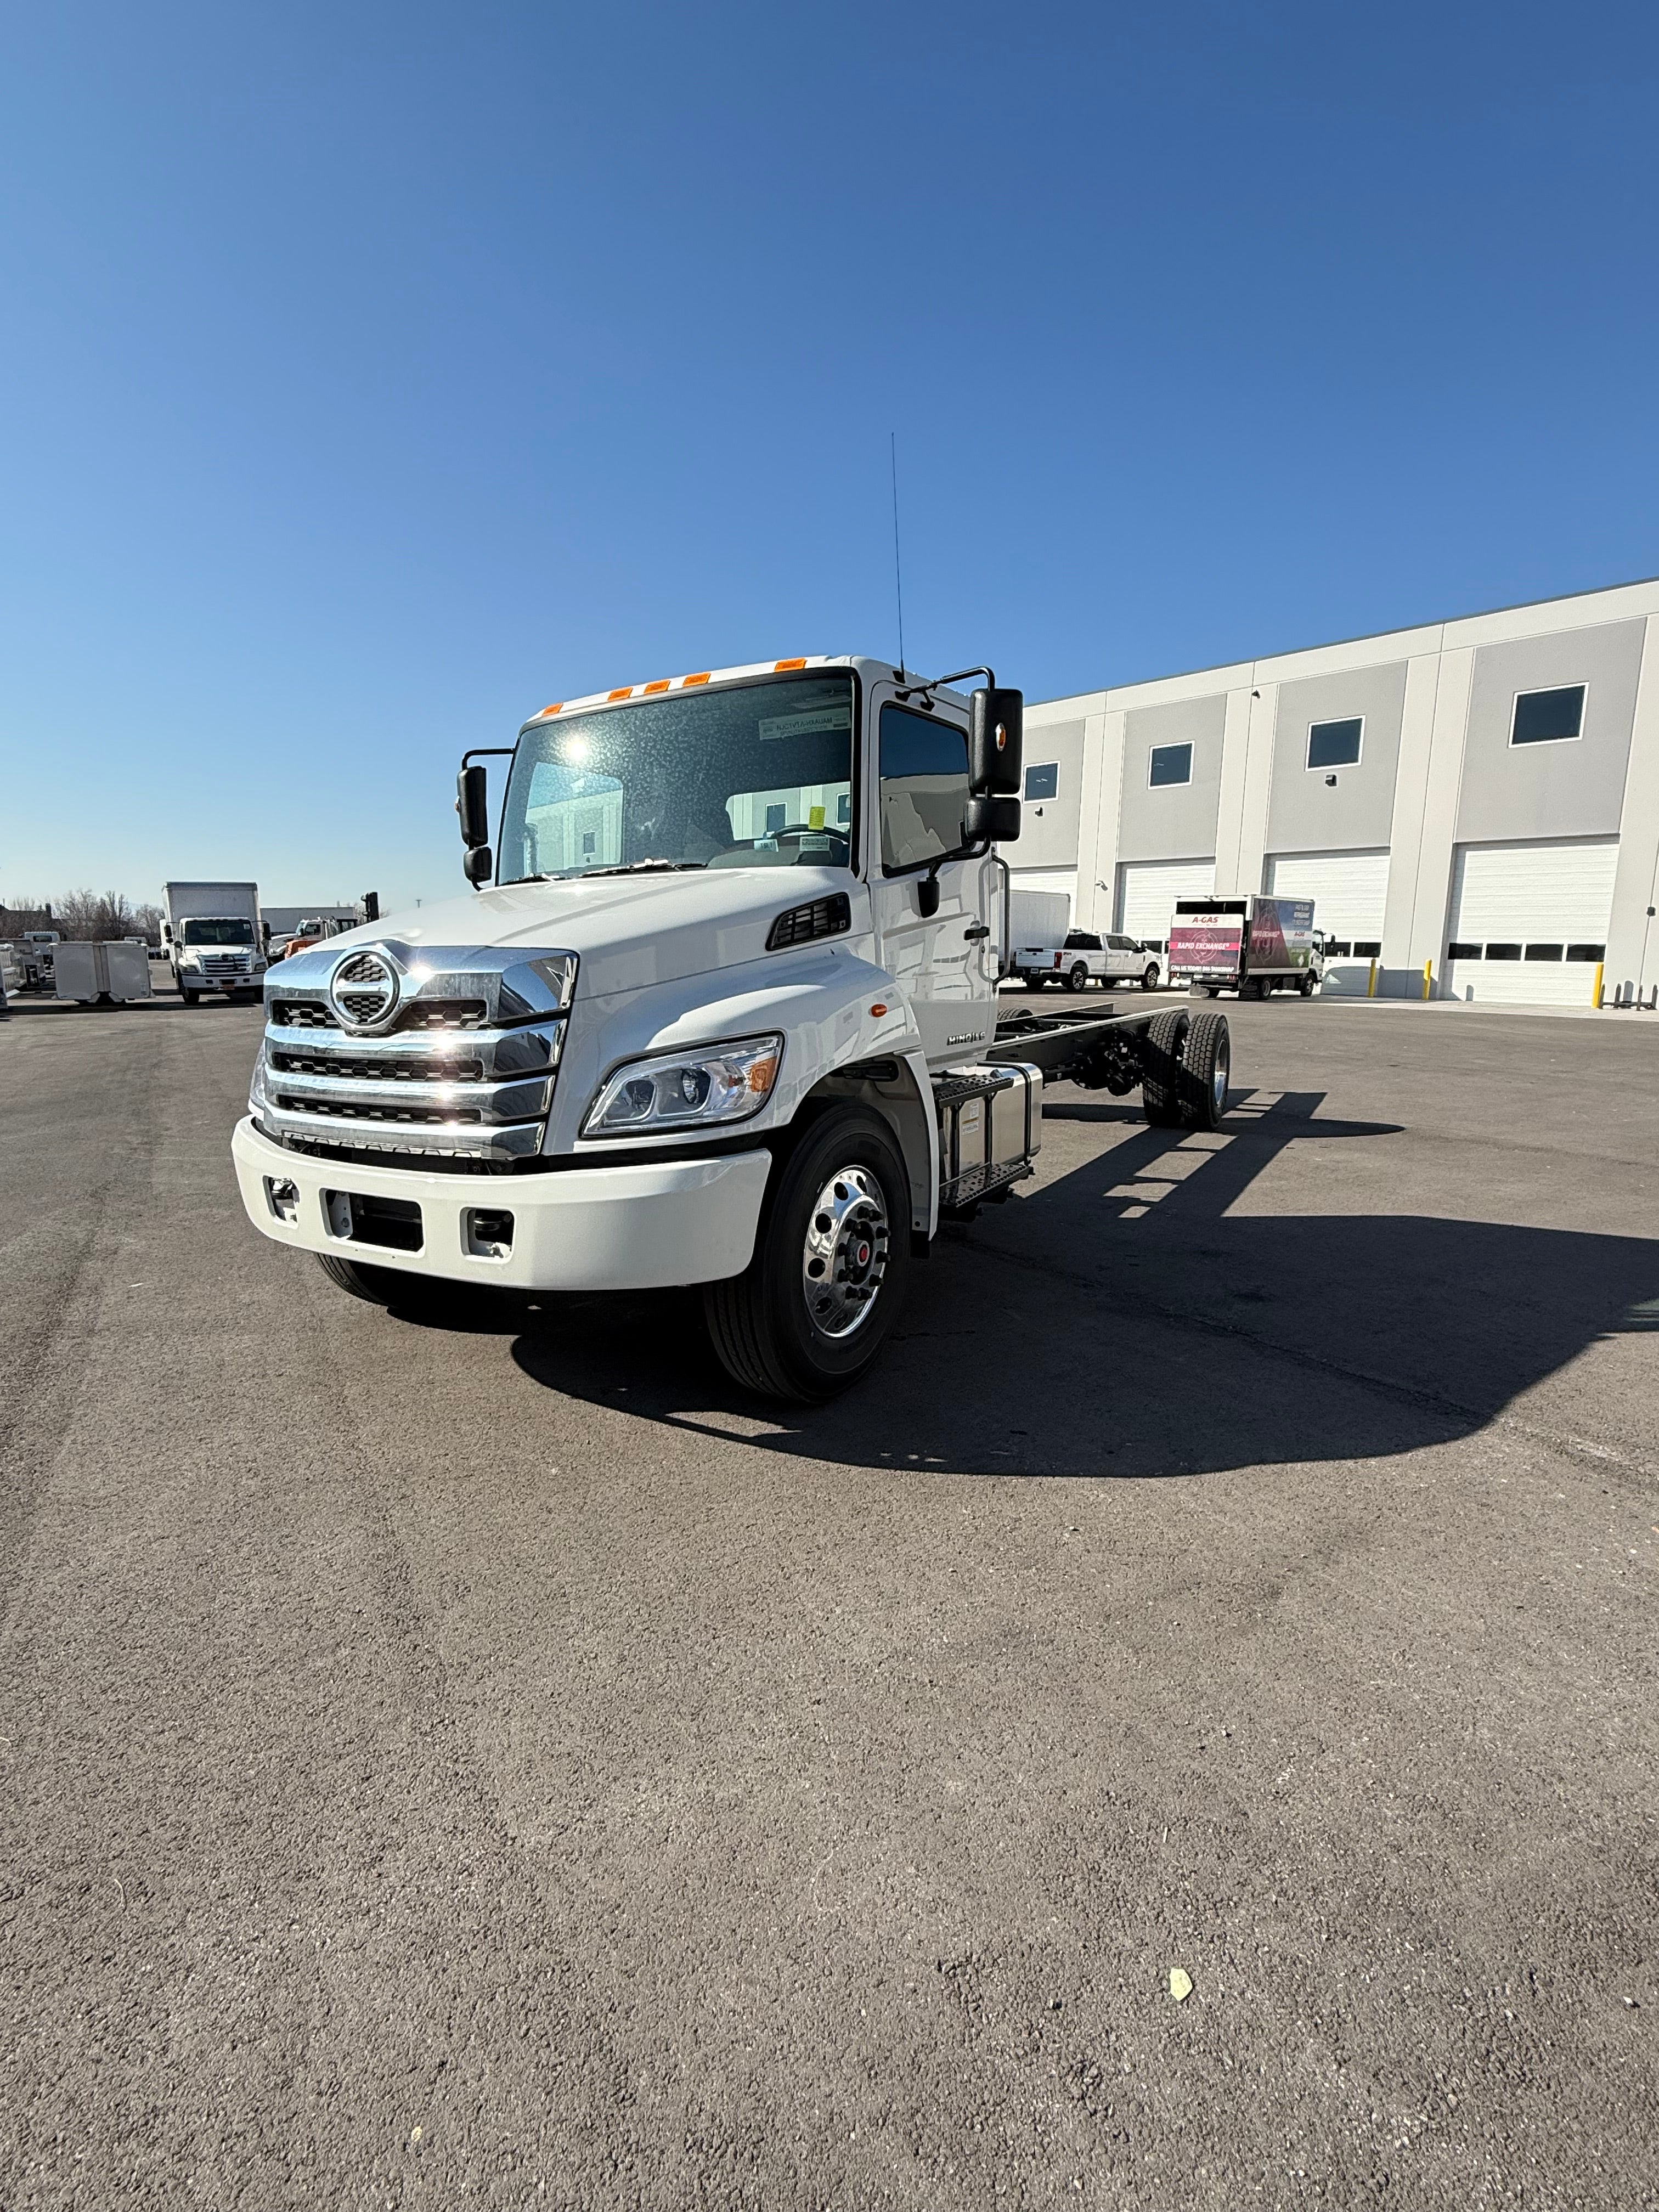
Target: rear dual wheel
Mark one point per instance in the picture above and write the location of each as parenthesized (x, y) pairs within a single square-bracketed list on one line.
[(1078, 977), (832, 1260), (1185, 1066)]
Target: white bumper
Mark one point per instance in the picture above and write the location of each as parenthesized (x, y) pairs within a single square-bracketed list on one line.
[(644, 1227)]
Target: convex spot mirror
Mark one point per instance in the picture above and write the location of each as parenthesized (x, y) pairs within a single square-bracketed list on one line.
[(996, 729), (476, 865), (990, 821)]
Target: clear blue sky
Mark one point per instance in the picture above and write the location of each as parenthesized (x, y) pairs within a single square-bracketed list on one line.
[(373, 375)]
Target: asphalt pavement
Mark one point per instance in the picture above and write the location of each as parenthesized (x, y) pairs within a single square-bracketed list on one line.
[(476, 1756)]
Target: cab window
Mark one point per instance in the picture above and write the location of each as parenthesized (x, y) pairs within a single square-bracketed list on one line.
[(924, 788)]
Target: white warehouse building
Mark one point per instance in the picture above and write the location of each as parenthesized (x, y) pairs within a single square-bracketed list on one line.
[(1481, 796)]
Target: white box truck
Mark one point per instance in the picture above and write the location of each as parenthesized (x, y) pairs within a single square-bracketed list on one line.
[(211, 933), (721, 1010), (101, 975)]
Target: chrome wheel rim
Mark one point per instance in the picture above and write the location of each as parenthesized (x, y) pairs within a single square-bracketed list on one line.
[(844, 1259), (1219, 1077)]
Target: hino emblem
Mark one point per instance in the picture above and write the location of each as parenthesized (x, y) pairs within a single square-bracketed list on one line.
[(363, 991)]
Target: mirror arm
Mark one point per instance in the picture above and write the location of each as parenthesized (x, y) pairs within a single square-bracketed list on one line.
[(938, 683)]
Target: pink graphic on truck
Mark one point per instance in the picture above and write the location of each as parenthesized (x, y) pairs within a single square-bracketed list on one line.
[(1206, 943)]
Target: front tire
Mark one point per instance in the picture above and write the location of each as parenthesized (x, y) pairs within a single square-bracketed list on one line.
[(813, 1308), (190, 997), (1149, 977), (378, 1285)]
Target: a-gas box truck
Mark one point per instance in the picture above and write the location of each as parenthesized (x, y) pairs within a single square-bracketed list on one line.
[(721, 1010), (1251, 945)]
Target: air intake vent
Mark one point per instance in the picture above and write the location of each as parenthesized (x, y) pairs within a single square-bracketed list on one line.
[(824, 917)]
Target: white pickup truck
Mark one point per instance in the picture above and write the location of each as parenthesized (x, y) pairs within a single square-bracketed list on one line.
[(720, 1011), (1082, 959)]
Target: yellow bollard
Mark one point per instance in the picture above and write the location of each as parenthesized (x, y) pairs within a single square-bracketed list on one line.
[(1371, 988), (1428, 976), (1595, 988)]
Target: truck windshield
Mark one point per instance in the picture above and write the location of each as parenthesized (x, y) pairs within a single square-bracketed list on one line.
[(757, 776), (197, 931)]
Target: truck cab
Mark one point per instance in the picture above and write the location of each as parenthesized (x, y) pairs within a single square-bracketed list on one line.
[(720, 1010)]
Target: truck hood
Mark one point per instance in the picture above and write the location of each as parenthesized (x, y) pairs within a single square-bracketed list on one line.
[(628, 931)]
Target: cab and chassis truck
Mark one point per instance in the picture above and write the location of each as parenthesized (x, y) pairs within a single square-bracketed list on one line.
[(720, 1010)]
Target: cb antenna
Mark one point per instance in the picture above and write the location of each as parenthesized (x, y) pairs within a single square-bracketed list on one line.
[(898, 576)]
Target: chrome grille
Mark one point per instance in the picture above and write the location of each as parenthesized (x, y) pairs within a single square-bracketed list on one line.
[(374, 1071), (413, 1090)]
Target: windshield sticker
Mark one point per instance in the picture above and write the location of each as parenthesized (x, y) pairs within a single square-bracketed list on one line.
[(810, 724)]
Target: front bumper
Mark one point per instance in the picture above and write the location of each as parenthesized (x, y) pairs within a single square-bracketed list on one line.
[(648, 1225)]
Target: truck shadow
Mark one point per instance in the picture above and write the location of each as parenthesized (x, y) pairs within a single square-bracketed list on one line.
[(1121, 1320)]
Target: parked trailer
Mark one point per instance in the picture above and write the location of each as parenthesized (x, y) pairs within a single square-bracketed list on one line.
[(723, 1011), (1251, 945), (102, 974)]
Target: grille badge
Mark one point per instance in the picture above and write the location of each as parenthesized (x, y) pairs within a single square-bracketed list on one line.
[(363, 991)]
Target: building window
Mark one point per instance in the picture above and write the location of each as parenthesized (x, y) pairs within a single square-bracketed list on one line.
[(1543, 952), (1169, 765), (775, 818), (1587, 953), (844, 807), (1335, 744), (1456, 952), (590, 838), (1503, 951), (1545, 718), (1043, 781), (1368, 948)]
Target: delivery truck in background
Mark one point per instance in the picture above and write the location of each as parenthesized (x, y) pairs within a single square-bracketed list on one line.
[(1251, 945), (211, 933), (720, 1011)]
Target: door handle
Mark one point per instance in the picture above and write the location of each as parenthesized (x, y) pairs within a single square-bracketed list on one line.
[(977, 929)]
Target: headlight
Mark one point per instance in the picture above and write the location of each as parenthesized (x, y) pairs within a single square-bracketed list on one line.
[(257, 1099), (190, 959), (687, 1089)]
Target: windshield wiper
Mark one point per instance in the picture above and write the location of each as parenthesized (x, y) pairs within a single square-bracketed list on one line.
[(640, 867), (628, 868)]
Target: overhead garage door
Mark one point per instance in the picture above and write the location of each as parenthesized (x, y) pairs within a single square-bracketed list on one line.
[(1147, 891), (1349, 891), (1529, 922)]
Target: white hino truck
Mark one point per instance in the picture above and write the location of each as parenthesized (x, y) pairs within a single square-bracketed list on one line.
[(720, 1010), (211, 933)]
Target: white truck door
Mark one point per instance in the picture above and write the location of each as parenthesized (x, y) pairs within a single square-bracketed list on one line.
[(943, 962)]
